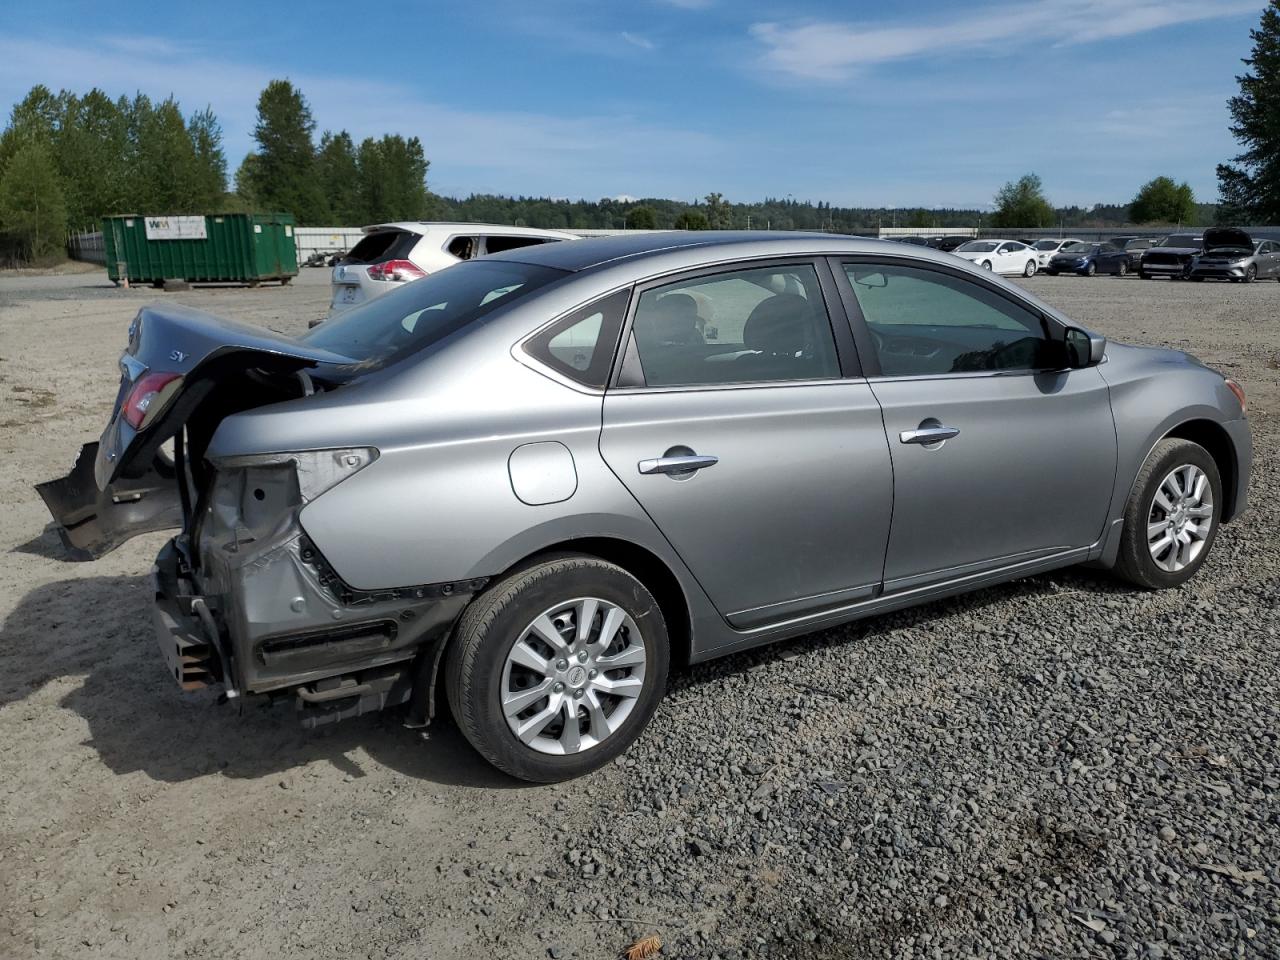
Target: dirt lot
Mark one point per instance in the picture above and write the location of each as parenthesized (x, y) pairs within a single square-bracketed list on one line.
[(900, 787)]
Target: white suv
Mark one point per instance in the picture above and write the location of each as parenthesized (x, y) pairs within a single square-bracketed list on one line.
[(392, 254)]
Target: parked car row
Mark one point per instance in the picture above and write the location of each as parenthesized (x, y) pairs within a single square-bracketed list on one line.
[(1222, 253)]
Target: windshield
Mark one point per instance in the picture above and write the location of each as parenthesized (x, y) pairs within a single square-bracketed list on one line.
[(976, 246), (1047, 244), (426, 311), (1078, 247), (1179, 240)]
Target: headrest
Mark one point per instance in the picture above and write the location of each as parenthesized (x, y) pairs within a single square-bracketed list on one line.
[(780, 325)]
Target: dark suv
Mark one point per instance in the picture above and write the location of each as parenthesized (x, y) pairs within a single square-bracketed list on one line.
[(1171, 256)]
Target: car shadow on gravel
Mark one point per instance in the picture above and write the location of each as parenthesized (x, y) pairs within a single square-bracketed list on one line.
[(99, 628), (1045, 586)]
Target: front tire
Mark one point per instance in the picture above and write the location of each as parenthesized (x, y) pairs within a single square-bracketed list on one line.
[(986, 264), (1251, 273), (1171, 519), (1091, 269), (1030, 269), (555, 670), (1122, 270)]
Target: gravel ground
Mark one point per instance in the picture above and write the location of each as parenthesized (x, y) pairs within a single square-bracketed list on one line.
[(1058, 767)]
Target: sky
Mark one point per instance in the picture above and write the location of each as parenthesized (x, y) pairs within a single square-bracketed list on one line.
[(925, 103)]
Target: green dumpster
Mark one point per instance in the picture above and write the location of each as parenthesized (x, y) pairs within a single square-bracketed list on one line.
[(214, 248)]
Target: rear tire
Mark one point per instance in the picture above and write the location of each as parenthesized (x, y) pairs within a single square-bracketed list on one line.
[(1184, 518), (499, 636)]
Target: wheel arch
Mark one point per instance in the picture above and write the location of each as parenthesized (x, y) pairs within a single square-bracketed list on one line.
[(645, 566), (1215, 439)]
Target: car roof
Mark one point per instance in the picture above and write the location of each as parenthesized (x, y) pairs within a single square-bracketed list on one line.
[(426, 227), (701, 246)]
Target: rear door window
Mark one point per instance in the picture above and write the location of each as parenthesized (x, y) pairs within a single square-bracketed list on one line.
[(743, 326), (464, 248)]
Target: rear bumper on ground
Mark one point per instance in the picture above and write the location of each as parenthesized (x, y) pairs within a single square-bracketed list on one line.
[(281, 623)]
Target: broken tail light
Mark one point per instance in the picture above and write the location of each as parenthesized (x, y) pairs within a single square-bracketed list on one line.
[(398, 271), (149, 394)]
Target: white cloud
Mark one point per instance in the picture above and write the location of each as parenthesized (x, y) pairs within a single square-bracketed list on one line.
[(832, 51), (636, 40)]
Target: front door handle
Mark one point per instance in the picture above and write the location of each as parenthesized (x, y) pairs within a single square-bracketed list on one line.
[(929, 434), (676, 464)]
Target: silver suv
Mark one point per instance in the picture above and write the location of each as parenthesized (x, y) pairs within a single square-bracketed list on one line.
[(392, 254), (544, 476)]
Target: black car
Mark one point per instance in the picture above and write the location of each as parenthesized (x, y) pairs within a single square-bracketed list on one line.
[(1134, 247), (948, 244), (915, 241), (1171, 256), (1086, 259)]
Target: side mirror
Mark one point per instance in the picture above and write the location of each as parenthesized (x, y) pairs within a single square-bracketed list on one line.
[(1084, 349)]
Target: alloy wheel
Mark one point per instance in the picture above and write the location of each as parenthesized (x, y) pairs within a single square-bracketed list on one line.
[(1180, 518), (572, 676)]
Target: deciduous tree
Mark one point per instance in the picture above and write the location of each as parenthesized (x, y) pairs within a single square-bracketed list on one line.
[(33, 212), (1163, 201), (1022, 203)]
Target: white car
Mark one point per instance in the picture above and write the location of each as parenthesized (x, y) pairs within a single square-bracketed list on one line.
[(1000, 256), (1045, 249), (390, 255)]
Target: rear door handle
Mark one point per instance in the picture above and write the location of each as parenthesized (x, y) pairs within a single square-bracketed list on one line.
[(676, 464), (929, 434)]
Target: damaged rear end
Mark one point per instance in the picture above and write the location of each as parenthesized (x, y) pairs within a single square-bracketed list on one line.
[(244, 601)]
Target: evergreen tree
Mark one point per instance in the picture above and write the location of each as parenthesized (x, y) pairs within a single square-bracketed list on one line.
[(33, 213), (339, 178), (392, 179), (209, 185), (282, 176), (1250, 187)]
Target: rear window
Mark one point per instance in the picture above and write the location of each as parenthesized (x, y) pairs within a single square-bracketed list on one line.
[(499, 244), (419, 314), (381, 246)]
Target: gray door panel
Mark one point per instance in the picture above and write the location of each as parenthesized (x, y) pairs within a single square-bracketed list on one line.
[(793, 516), (1030, 472)]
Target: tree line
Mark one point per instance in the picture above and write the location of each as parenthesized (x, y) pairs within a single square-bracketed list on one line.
[(65, 160)]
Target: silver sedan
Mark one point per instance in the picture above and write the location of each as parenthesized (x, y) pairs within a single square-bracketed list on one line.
[(539, 480)]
